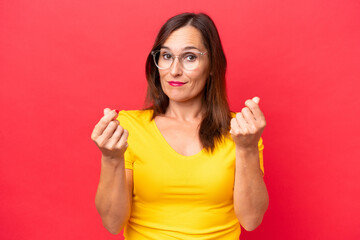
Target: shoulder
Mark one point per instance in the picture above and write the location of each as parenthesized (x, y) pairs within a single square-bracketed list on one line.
[(136, 114), (128, 118)]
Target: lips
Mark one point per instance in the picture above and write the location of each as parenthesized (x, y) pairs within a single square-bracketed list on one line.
[(176, 83)]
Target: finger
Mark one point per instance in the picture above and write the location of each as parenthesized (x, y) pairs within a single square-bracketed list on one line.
[(116, 136), (249, 118), (104, 122), (123, 139), (255, 109), (109, 130), (242, 123), (256, 100), (235, 128), (106, 110), (248, 115)]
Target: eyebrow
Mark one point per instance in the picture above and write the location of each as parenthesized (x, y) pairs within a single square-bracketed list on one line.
[(185, 48)]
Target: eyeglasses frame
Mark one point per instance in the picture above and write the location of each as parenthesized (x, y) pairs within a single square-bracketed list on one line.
[(173, 59)]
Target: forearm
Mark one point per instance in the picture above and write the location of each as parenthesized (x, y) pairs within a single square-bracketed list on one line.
[(112, 197), (250, 194)]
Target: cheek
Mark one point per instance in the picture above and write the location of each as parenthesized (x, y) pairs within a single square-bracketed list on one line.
[(163, 84), (199, 78), (162, 78)]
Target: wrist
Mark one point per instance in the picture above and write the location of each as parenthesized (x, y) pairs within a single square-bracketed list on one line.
[(247, 158), (247, 150), (114, 161)]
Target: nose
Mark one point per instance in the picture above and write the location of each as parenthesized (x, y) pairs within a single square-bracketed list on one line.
[(176, 68)]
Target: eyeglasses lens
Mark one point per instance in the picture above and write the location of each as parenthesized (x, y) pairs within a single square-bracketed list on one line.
[(164, 60)]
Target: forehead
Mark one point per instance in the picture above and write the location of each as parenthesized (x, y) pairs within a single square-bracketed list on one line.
[(184, 37)]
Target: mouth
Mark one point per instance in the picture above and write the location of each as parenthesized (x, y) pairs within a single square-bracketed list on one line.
[(176, 83)]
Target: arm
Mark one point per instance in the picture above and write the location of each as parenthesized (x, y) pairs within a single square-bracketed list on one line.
[(251, 198), (113, 196), (114, 193)]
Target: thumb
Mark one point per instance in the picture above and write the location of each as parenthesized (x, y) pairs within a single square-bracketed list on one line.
[(106, 110), (256, 99)]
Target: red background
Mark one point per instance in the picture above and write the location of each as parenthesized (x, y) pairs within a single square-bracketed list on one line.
[(62, 62)]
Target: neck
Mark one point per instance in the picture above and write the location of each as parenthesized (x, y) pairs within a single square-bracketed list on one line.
[(186, 111)]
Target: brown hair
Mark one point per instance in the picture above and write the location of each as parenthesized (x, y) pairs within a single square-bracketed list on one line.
[(216, 121)]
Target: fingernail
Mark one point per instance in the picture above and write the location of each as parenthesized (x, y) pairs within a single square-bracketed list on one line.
[(256, 99), (117, 111)]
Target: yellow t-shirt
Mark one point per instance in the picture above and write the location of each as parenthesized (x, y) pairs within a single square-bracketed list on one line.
[(176, 196)]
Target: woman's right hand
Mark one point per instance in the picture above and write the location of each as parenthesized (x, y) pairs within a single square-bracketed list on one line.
[(109, 136)]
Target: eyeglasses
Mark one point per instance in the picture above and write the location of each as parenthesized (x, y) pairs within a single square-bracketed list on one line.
[(189, 60)]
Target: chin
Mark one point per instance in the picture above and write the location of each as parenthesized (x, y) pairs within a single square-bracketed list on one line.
[(179, 98), (181, 95)]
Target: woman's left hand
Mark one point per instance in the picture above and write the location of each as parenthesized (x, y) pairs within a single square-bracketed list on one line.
[(248, 125)]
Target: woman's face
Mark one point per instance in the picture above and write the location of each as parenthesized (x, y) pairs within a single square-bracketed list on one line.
[(178, 83)]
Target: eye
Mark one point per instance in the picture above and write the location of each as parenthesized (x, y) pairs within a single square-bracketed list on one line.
[(166, 56), (190, 57)]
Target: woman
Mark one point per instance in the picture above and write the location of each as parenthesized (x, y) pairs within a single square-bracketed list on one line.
[(186, 167)]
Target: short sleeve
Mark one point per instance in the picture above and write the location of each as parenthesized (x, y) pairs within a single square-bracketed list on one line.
[(124, 120), (129, 161), (261, 154)]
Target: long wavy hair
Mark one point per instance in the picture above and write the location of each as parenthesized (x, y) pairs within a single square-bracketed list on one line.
[(216, 120)]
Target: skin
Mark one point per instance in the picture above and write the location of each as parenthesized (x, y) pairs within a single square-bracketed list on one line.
[(179, 126), (251, 198), (114, 193)]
